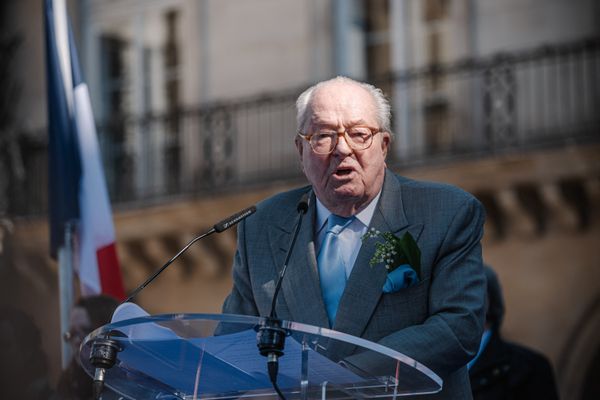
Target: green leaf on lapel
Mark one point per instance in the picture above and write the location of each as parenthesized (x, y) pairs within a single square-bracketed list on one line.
[(412, 252), (394, 252)]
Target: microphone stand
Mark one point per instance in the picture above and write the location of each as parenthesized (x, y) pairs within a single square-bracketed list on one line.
[(103, 355), (271, 335)]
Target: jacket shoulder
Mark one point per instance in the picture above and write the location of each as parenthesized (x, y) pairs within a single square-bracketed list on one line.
[(424, 196)]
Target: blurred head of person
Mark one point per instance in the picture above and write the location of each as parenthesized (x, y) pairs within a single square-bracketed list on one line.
[(88, 314)]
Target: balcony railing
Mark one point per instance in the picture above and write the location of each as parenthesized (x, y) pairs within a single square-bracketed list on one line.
[(548, 96), (507, 102)]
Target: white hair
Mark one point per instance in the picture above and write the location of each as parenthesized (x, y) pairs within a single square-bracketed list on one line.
[(382, 105)]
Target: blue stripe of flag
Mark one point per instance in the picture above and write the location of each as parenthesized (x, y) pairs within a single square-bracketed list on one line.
[(63, 149)]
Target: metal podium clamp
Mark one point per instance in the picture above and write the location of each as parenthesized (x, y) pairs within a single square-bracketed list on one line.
[(103, 356), (271, 342)]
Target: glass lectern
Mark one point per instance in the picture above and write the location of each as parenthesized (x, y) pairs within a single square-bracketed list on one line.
[(205, 356)]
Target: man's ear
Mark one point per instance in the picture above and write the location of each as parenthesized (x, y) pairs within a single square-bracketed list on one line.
[(299, 146), (386, 140)]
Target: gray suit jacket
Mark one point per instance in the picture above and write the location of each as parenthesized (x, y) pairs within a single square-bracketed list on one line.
[(438, 322)]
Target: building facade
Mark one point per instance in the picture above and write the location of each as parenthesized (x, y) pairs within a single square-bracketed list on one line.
[(195, 107)]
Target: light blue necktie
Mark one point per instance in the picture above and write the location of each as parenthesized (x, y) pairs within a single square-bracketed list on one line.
[(332, 270)]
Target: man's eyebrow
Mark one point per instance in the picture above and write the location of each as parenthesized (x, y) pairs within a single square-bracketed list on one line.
[(330, 125)]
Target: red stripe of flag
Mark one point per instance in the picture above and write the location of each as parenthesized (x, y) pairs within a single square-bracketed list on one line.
[(108, 269)]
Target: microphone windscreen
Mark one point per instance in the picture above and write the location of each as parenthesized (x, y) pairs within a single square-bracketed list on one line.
[(303, 203), (234, 219)]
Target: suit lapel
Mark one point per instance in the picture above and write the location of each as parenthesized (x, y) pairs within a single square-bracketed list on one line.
[(300, 287), (364, 286)]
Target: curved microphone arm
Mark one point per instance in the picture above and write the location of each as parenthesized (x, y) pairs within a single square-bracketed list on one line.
[(218, 227), (302, 209), (104, 351), (271, 335)]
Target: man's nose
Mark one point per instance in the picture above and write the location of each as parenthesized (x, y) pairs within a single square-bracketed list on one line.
[(342, 146)]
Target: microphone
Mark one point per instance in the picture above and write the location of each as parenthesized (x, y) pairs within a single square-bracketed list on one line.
[(104, 351), (233, 220), (271, 335)]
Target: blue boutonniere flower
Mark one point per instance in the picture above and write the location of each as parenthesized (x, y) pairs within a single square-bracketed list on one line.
[(401, 258)]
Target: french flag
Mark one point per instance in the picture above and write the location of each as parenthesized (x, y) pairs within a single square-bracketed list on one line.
[(77, 187)]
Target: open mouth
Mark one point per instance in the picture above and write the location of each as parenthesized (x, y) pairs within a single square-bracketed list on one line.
[(343, 171)]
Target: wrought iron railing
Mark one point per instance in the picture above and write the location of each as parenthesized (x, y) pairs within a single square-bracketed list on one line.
[(548, 96), (507, 102)]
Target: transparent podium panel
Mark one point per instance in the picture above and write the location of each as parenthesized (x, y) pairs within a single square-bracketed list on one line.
[(206, 356)]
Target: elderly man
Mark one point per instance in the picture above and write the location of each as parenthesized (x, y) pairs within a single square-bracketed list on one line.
[(434, 313)]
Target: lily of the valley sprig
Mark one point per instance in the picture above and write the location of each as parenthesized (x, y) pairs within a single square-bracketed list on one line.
[(394, 251)]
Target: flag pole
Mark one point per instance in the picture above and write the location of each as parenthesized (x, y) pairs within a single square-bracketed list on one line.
[(65, 287)]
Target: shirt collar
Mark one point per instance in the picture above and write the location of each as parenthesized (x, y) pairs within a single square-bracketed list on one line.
[(364, 216)]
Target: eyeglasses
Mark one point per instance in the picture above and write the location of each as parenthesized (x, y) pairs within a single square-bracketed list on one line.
[(324, 141)]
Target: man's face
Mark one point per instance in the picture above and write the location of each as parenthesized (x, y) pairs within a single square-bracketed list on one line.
[(346, 180)]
